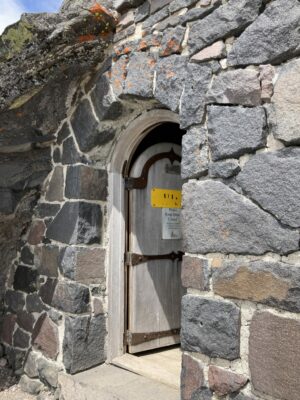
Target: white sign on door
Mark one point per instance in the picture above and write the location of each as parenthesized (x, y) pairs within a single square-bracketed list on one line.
[(171, 223)]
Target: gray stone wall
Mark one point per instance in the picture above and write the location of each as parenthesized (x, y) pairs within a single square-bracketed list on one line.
[(230, 70)]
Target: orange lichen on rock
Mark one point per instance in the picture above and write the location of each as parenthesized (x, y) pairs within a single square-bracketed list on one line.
[(87, 38)]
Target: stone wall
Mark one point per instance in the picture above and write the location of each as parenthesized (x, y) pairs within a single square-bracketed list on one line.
[(229, 69)]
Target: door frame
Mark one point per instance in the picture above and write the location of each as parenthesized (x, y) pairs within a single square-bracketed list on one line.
[(124, 150)]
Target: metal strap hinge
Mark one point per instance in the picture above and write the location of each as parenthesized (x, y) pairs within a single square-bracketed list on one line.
[(133, 259)]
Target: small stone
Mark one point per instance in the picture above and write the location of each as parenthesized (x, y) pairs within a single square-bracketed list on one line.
[(71, 297), (155, 18), (213, 219), (14, 300), (194, 153), (84, 182), (21, 339), (8, 201), (195, 273), (192, 109), (8, 327), (98, 306), (70, 154), (223, 382), (87, 131), (286, 103), (178, 4), (107, 105), (26, 256), (45, 337), (171, 73), (224, 169), (25, 279), (158, 4), (195, 14), (123, 5), (126, 20), (3, 362), (172, 41), (138, 84), (192, 377), (46, 210), (30, 386), (234, 131), (84, 265), (241, 87), (63, 133), (48, 372), (30, 367), (84, 342), (25, 320), (54, 190), (274, 359), (272, 180), (56, 155), (36, 232), (267, 74), (213, 52), (142, 12), (76, 223), (272, 38), (211, 327), (46, 260), (34, 303), (47, 290), (227, 20)]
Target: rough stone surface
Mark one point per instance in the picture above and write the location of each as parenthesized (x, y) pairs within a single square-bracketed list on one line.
[(211, 327), (54, 190), (227, 20), (217, 219), (70, 154), (20, 339), (273, 356), (223, 382), (234, 131), (46, 291), (98, 306), (45, 337), (15, 358), (272, 283), (273, 37), (84, 265), (267, 74), (76, 223), (194, 14), (30, 386), (46, 260), (224, 169), (195, 273), (84, 342), (26, 256), (241, 87), (8, 201), (172, 41), (194, 153), (14, 301), (193, 100), (25, 320), (192, 376), (71, 297), (86, 183), (106, 104), (25, 279), (63, 133), (156, 17), (48, 372), (272, 180), (137, 83), (34, 303), (170, 80), (30, 367), (286, 101), (36, 232), (123, 5), (87, 130), (215, 51), (8, 326)]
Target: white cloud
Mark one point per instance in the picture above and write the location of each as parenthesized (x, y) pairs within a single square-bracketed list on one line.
[(10, 12)]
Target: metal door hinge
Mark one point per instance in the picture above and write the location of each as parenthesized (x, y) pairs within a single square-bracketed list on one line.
[(134, 259)]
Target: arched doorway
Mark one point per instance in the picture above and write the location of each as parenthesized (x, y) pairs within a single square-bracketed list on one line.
[(158, 142)]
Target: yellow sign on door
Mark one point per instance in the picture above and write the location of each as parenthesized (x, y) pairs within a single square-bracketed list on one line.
[(165, 198)]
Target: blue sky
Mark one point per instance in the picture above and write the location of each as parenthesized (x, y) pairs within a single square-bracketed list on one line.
[(11, 10)]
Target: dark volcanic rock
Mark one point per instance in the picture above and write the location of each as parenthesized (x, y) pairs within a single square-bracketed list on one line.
[(88, 132), (84, 342), (14, 301), (272, 180), (194, 153), (25, 279), (274, 37), (21, 339), (211, 327), (70, 154), (227, 20), (217, 219), (8, 201), (77, 223)]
